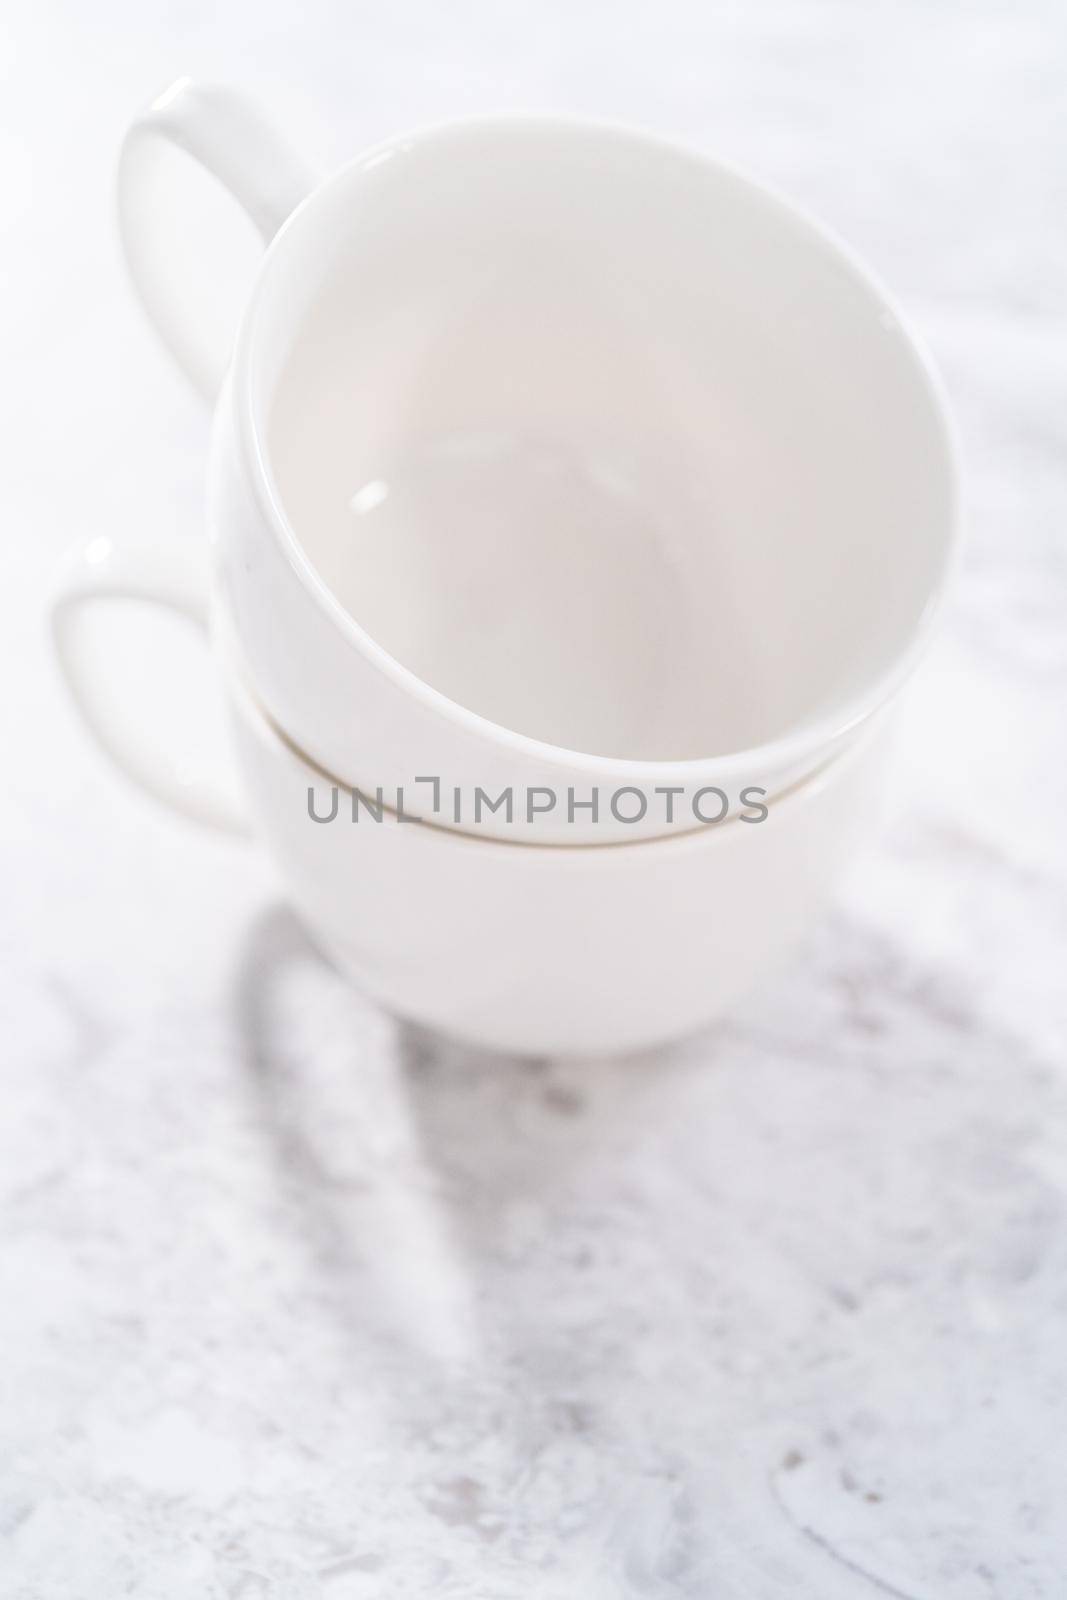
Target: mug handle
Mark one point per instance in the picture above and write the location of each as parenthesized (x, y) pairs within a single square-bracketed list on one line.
[(173, 577), (231, 139)]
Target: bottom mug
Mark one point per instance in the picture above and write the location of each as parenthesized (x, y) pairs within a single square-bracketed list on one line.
[(548, 949), (527, 948)]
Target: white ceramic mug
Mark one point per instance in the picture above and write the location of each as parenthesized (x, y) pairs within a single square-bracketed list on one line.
[(552, 458), (526, 948)]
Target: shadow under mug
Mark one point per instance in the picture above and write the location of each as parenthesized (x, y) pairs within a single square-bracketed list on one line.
[(551, 456)]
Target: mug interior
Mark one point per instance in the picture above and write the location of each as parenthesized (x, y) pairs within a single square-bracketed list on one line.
[(599, 440)]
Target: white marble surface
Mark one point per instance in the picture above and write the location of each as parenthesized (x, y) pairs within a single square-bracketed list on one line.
[(295, 1303)]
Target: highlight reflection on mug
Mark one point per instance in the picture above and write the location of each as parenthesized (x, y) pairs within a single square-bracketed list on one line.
[(627, 805)]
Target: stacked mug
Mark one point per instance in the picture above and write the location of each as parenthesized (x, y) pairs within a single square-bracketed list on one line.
[(577, 509)]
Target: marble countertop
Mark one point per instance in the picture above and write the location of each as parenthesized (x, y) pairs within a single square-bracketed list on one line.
[(296, 1302)]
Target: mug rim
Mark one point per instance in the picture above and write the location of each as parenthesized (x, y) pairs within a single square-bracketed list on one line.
[(246, 702), (818, 734)]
